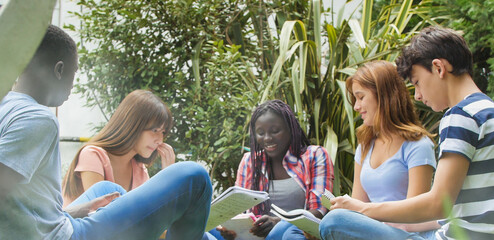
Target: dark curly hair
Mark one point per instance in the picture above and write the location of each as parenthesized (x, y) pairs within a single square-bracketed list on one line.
[(56, 46)]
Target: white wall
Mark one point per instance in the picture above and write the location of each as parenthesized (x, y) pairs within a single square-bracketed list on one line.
[(75, 119)]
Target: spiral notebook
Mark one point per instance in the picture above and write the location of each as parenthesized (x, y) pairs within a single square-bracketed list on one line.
[(230, 203), (301, 218)]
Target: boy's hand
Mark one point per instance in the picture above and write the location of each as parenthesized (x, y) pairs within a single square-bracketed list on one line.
[(167, 155), (263, 225), (83, 210)]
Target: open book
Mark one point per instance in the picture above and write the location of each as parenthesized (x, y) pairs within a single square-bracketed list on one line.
[(241, 225), (325, 197), (233, 201), (301, 218)]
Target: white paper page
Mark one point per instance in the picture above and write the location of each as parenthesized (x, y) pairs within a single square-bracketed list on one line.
[(241, 225)]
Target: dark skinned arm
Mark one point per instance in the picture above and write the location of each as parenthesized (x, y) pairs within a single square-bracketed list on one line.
[(9, 180)]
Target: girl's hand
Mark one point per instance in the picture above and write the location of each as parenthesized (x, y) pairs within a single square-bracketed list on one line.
[(347, 202), (263, 225), (226, 234), (167, 155), (310, 237)]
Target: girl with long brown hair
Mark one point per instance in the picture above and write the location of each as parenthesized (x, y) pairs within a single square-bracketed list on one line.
[(120, 152)]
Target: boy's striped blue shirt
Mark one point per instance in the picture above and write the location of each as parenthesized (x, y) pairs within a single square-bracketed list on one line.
[(468, 129)]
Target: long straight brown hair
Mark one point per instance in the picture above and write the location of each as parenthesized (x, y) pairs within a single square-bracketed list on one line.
[(395, 111), (140, 110)]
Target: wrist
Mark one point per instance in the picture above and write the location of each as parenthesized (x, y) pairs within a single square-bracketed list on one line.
[(406, 227), (77, 212), (367, 209)]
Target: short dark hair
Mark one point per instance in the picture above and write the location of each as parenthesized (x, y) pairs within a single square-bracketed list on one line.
[(56, 46), (436, 42)]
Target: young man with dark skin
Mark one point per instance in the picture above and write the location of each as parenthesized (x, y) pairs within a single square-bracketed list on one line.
[(439, 64), (177, 198)]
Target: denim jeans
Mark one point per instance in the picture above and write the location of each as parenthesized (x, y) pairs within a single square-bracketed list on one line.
[(282, 230), (177, 198), (285, 230), (349, 225)]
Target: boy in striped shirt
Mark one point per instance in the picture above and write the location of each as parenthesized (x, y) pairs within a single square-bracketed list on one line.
[(439, 64)]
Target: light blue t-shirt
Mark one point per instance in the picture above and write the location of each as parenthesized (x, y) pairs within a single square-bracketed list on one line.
[(29, 145), (389, 181)]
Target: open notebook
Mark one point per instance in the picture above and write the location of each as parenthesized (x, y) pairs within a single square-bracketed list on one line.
[(241, 225), (230, 203), (301, 218), (325, 197)]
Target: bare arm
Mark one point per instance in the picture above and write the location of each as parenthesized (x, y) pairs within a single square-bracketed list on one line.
[(88, 179), (358, 191), (451, 172), (9, 179), (420, 179)]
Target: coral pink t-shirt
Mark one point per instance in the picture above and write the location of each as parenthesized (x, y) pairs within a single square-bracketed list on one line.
[(95, 159)]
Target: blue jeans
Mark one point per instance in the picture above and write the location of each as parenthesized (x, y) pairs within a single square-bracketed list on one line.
[(285, 230), (282, 230), (346, 224), (177, 198)]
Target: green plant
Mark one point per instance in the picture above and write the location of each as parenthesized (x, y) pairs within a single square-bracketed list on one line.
[(213, 61), (456, 230), (474, 18), (221, 106), (313, 83), (158, 45)]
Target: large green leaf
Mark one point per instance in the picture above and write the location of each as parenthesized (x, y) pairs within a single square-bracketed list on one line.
[(357, 32), (331, 143), (348, 109), (23, 24), (367, 19)]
